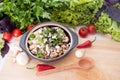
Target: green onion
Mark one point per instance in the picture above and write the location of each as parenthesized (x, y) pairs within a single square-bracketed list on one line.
[(49, 30), (58, 37), (55, 42), (39, 53), (32, 36), (40, 40), (60, 30)]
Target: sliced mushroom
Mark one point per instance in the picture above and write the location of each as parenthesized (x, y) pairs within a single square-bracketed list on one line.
[(66, 39), (31, 47)]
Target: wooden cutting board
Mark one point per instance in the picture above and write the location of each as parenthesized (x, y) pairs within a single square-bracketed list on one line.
[(106, 54)]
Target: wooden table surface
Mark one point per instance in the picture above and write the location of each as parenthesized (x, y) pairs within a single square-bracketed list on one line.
[(106, 54)]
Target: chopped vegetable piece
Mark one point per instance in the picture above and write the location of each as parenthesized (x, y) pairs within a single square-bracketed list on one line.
[(59, 37), (48, 30), (32, 36), (55, 42), (40, 40), (39, 52)]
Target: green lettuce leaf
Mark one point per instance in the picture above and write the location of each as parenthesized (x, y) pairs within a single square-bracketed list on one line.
[(1, 44), (79, 12), (71, 12), (106, 25)]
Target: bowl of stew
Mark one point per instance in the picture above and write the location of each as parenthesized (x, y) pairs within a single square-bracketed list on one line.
[(48, 41)]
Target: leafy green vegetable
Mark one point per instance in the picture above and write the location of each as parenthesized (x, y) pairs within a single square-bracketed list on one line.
[(48, 30), (1, 0), (114, 29), (116, 35), (103, 23), (1, 44), (32, 36), (23, 12), (117, 5), (106, 25), (40, 40), (73, 12), (1, 5), (79, 12), (39, 53), (56, 40)]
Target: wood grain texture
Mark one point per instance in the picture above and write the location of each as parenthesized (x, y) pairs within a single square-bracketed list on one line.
[(106, 54)]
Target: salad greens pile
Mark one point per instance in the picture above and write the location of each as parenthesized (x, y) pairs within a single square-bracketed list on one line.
[(79, 12), (72, 12), (1, 14), (106, 25)]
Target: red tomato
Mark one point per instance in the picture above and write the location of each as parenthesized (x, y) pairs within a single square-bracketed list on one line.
[(7, 36), (83, 32), (17, 32), (92, 29), (30, 26)]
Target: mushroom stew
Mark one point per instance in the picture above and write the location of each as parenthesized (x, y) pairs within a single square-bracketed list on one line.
[(48, 42)]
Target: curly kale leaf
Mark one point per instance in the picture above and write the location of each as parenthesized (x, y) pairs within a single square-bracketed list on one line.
[(79, 12)]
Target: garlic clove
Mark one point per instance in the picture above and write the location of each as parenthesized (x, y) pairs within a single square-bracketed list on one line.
[(79, 53), (22, 58)]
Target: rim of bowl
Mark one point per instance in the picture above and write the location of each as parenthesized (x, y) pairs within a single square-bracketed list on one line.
[(49, 24)]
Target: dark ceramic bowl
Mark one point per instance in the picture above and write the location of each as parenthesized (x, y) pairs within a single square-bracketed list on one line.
[(73, 40)]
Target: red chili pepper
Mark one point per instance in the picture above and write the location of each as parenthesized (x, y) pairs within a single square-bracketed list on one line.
[(42, 67), (86, 44)]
